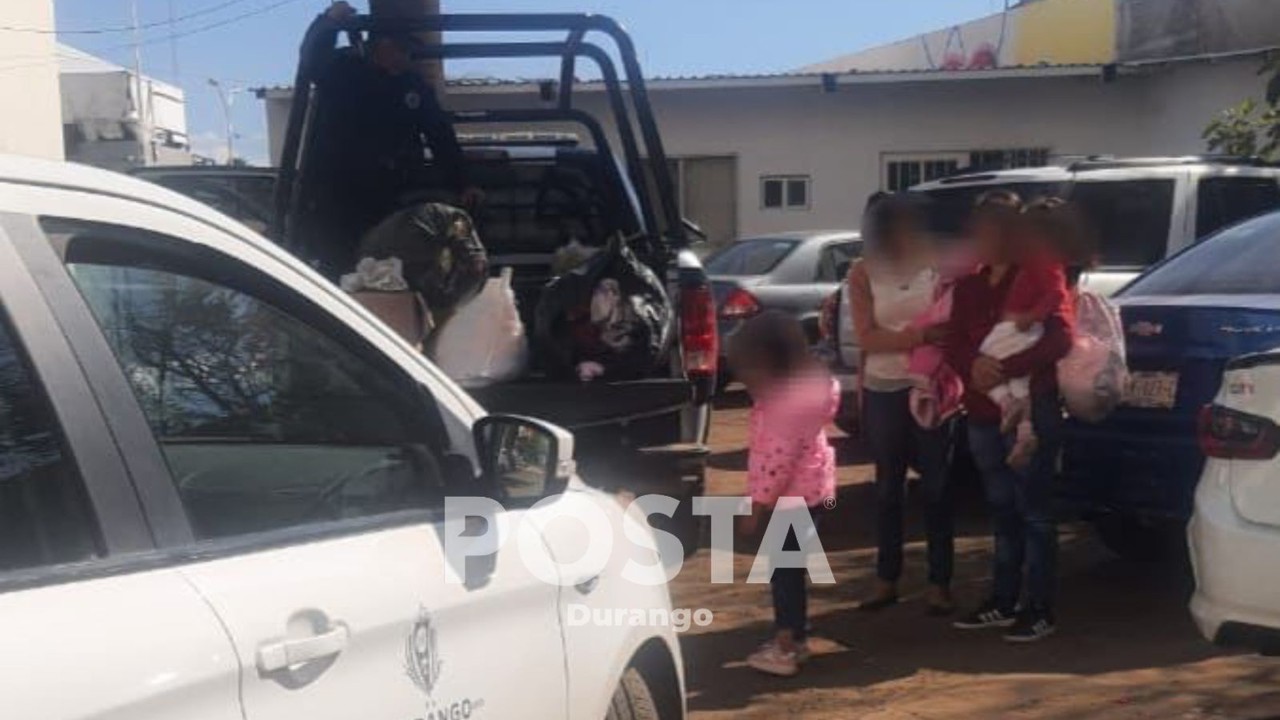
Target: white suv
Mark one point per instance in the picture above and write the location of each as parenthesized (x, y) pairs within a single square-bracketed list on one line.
[(1142, 209), (223, 489)]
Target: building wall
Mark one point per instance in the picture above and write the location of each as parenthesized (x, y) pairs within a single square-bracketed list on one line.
[(1038, 31), (840, 139), (29, 70)]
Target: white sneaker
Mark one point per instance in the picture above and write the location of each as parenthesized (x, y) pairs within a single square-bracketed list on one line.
[(773, 660), (803, 653)]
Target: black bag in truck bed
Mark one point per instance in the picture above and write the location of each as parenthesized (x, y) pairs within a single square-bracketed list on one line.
[(574, 405)]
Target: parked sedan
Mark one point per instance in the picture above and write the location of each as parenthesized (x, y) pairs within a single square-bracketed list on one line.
[(793, 272), (1135, 474), (1234, 534)]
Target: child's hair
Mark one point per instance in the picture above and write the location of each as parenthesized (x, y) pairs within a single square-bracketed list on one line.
[(775, 341), (1064, 227)]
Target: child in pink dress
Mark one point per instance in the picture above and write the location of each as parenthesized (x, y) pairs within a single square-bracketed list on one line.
[(789, 460)]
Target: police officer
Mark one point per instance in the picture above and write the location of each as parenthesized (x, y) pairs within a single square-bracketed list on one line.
[(375, 120)]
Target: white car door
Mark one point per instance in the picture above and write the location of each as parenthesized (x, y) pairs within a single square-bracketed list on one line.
[(312, 456), (94, 626)]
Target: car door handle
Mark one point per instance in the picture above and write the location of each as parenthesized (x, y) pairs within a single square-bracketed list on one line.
[(277, 656)]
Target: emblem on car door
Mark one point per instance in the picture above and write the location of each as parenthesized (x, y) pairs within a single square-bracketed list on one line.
[(421, 653), (1146, 329)]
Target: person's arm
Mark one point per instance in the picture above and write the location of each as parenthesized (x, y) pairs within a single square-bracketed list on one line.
[(872, 338), (1052, 347), (959, 352)]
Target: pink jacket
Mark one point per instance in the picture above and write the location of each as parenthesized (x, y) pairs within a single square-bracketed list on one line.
[(789, 455)]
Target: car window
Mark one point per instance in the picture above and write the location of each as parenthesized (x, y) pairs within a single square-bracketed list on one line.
[(1129, 218), (949, 207), (834, 258), (266, 419), (45, 516), (1223, 201), (1237, 261), (750, 257)]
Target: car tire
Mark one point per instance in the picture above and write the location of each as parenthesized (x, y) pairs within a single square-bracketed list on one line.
[(633, 700), (1137, 540)]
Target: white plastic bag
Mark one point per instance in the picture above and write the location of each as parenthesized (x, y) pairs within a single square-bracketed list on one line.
[(484, 341), (1093, 377)]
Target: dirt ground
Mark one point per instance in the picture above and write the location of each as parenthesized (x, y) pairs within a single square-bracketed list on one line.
[(1126, 646)]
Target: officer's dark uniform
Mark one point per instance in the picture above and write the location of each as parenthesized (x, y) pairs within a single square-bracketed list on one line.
[(371, 132)]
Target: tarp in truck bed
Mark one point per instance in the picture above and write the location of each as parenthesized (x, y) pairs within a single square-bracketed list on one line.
[(575, 405)]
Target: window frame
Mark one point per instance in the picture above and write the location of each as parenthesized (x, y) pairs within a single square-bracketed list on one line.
[(121, 525), (829, 250), (176, 542), (1203, 182), (785, 181)]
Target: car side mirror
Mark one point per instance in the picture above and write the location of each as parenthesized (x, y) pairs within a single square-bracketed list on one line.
[(523, 460)]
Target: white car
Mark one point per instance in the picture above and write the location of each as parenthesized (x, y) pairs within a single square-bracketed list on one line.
[(1234, 534), (222, 486)]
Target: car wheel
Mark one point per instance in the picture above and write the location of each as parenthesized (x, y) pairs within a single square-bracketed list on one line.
[(633, 700), (1133, 538)]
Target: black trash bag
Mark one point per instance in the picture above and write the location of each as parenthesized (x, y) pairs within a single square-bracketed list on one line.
[(612, 311), (443, 258)]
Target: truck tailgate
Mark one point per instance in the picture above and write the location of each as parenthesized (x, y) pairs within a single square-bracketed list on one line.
[(574, 405)]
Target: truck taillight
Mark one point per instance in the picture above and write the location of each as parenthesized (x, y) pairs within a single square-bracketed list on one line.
[(1234, 435), (739, 305), (700, 337)]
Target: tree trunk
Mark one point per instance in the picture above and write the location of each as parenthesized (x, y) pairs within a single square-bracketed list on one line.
[(431, 70)]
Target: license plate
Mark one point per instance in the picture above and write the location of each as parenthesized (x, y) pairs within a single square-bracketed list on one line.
[(1156, 390)]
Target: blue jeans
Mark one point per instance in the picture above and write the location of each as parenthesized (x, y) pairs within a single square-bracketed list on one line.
[(895, 439), (1022, 507)]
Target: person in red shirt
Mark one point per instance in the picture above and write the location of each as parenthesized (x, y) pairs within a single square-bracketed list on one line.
[(1020, 498), (1042, 248)]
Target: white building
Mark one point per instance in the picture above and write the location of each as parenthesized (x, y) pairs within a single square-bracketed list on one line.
[(31, 123), (759, 154), (105, 124)]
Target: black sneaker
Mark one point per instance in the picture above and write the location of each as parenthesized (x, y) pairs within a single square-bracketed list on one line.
[(1032, 626), (988, 616)]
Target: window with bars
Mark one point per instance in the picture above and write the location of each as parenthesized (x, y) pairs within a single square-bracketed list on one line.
[(902, 171)]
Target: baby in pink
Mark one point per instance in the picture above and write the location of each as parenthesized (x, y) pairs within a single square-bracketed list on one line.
[(789, 455)]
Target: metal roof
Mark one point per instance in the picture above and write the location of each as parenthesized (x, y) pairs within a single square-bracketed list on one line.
[(765, 80)]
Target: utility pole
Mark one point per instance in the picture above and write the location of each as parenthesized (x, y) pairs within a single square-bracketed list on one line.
[(226, 97), (432, 70), (140, 103)]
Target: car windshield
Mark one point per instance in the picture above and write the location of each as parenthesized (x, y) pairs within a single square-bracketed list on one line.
[(750, 257), (1238, 261), (949, 207)]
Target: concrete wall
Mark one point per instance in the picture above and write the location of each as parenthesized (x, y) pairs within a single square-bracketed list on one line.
[(31, 121)]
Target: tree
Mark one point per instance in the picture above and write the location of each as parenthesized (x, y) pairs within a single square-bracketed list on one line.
[(1252, 128)]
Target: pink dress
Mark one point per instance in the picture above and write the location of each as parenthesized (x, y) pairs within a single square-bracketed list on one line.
[(789, 455)]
